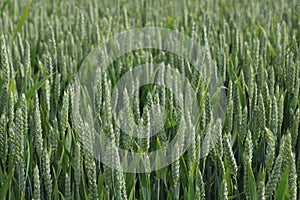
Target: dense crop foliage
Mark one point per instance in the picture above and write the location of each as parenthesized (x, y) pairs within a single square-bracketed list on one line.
[(254, 45)]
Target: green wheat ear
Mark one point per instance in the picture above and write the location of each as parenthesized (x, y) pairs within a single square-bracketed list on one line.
[(274, 177), (38, 139), (261, 190), (68, 194), (36, 182), (292, 179), (3, 139), (47, 173), (270, 150), (229, 155)]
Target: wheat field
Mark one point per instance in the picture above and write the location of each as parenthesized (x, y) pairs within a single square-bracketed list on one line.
[(47, 149)]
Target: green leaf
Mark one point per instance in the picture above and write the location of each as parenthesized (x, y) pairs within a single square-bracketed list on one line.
[(23, 18), (36, 87), (251, 182), (100, 184), (131, 195), (6, 184), (282, 189)]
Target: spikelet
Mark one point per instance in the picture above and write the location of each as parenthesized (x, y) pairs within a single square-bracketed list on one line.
[(206, 143), (24, 109), (64, 113), (53, 50), (243, 130), (274, 177), (224, 190), (107, 115), (260, 74), (135, 105), (20, 45), (77, 166), (294, 130), (248, 152), (3, 99), (270, 150), (47, 173), (49, 66), (192, 137), (38, 139), (274, 117), (200, 186), (54, 136), (57, 88), (27, 58), (271, 81), (237, 110), (229, 117), (3, 139), (90, 163), (259, 120), (261, 190), (11, 107), (68, 194), (280, 105), (121, 185), (129, 122), (285, 150), (231, 162), (217, 150), (98, 96), (36, 181), (19, 145), (292, 180), (61, 60), (176, 165), (4, 62), (145, 142), (267, 105), (91, 176)]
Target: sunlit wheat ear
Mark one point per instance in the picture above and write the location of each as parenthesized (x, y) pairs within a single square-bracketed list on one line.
[(47, 90), (274, 177), (248, 153), (57, 88), (294, 129), (77, 166), (36, 182), (229, 112), (91, 177), (47, 173), (176, 166), (231, 162), (270, 150), (259, 119), (38, 139), (200, 186), (261, 190), (224, 190), (19, 145), (68, 194), (280, 105), (3, 139), (64, 113), (274, 117), (292, 179), (52, 46), (286, 150), (6, 74)]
